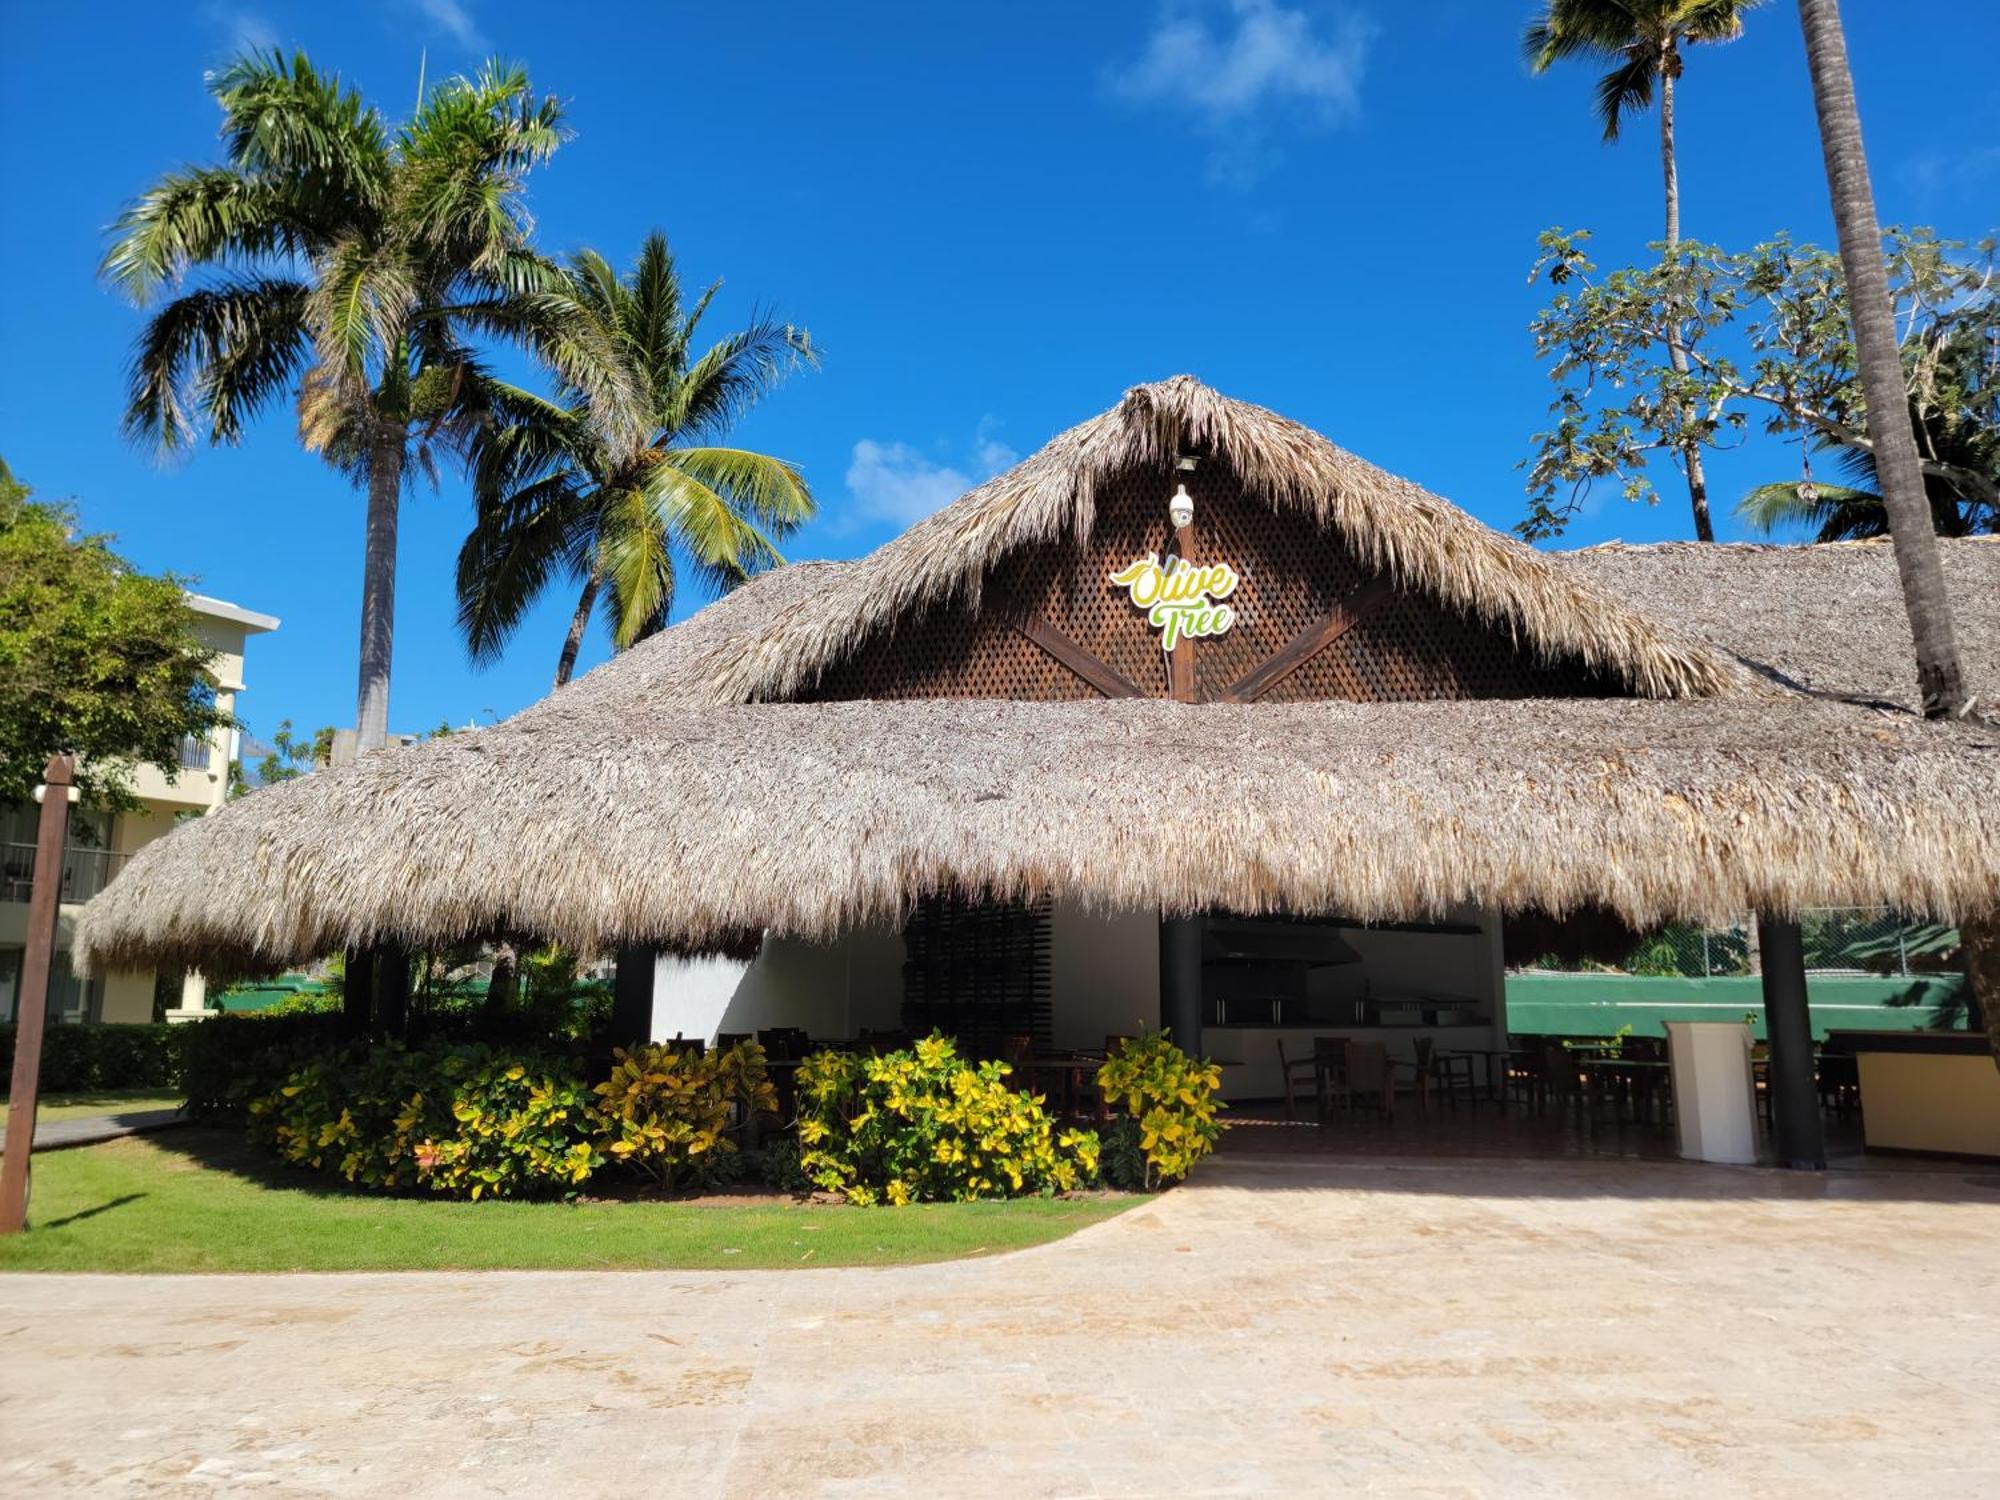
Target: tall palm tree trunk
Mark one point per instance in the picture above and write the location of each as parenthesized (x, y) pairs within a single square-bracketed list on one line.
[(573, 642), (1939, 675), (1697, 475), (378, 587)]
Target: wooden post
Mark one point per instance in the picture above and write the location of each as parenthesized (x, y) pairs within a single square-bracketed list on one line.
[(357, 1000), (632, 997), (31, 1005), (1180, 981), (392, 989), (1796, 1130), (1180, 665)]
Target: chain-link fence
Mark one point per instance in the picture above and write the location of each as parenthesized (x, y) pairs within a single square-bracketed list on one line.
[(1837, 940)]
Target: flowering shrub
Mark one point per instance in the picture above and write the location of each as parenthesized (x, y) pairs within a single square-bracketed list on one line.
[(927, 1126), (470, 1121), (668, 1110), (1168, 1111)]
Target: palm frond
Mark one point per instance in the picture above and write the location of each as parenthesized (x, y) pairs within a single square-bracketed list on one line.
[(1625, 90), (635, 558), (1832, 512), (204, 215), (516, 547), (756, 486), (359, 310), (734, 375), (285, 120), (722, 544), (225, 351)]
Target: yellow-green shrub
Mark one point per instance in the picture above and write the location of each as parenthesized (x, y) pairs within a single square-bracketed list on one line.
[(1168, 1109), (470, 1122), (927, 1126), (668, 1110)]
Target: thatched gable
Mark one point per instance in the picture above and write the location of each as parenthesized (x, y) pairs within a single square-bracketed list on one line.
[(1421, 543)]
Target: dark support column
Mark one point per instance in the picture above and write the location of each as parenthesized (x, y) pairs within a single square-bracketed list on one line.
[(1795, 1122), (392, 989), (632, 997), (1180, 981), (357, 1003)]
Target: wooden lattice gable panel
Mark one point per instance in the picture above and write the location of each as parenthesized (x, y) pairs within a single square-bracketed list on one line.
[(1312, 621)]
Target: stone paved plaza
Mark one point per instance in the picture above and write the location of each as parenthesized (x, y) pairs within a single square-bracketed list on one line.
[(1291, 1327)]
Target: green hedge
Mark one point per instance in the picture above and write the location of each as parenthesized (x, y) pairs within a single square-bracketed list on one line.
[(86, 1058)]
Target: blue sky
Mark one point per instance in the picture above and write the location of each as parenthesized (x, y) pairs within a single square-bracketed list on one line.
[(993, 218)]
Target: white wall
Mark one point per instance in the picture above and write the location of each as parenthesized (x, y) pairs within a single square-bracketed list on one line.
[(1105, 981), (831, 989)]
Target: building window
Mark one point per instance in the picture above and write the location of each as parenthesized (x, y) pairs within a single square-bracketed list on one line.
[(978, 971), (88, 861), (70, 999), (196, 753)]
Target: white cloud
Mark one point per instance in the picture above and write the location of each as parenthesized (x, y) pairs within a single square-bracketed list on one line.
[(246, 30), (894, 482), (454, 19), (1237, 68)]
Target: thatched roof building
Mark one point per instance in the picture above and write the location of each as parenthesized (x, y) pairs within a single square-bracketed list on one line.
[(1405, 712)]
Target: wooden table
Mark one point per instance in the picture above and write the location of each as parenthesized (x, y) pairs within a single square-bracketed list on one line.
[(1494, 1062), (1072, 1074), (1641, 1075)]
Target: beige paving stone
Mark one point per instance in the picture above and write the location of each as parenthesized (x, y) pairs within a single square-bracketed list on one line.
[(1283, 1328)]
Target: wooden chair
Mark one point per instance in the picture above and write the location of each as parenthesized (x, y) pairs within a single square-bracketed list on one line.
[(1292, 1069), (1562, 1082), (1329, 1071), (1369, 1077), (724, 1040)]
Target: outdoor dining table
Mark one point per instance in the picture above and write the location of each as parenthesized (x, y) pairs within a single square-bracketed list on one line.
[(1494, 1061), (1066, 1075), (1636, 1075)]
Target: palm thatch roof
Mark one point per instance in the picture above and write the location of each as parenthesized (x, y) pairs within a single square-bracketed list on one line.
[(685, 822), (1827, 618), (659, 799)]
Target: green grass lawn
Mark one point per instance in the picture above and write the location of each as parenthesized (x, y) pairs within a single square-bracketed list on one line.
[(197, 1198), (99, 1102)]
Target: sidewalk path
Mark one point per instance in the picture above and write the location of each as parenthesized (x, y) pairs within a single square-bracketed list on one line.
[(86, 1130), (1441, 1329)]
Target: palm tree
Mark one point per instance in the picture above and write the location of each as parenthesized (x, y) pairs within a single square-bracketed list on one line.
[(348, 266), (1643, 40), (615, 479), (1940, 674), (1843, 512), (1940, 677)]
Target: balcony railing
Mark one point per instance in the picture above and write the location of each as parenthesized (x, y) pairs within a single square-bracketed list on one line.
[(196, 753), (85, 872)]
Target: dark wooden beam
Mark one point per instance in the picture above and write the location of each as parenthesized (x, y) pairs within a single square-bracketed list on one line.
[(1796, 1130), (1100, 674), (1308, 643), (31, 995), (1180, 661)]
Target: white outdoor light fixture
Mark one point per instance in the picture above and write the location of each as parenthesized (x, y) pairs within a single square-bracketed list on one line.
[(1181, 508)]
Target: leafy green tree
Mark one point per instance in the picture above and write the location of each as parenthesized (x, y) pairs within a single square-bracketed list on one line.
[(291, 756), (1643, 41), (618, 477), (1960, 432), (351, 266), (96, 658), (1764, 334)]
